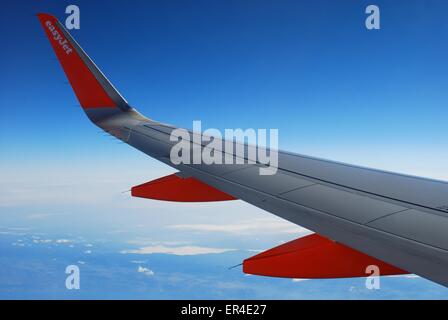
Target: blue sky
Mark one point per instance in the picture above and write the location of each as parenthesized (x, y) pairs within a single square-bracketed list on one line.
[(309, 68)]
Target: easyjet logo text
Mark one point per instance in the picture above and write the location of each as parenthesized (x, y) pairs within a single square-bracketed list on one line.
[(58, 38)]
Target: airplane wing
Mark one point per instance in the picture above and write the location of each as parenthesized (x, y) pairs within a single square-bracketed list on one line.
[(360, 216)]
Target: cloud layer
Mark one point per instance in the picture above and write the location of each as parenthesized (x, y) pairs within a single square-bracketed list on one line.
[(179, 251)]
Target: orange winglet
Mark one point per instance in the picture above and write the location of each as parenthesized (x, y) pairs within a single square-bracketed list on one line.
[(88, 90), (175, 188), (313, 257)]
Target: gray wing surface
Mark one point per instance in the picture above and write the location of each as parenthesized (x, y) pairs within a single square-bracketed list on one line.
[(400, 219)]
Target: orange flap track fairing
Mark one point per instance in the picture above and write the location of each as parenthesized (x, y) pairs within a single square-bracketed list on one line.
[(314, 257), (175, 188)]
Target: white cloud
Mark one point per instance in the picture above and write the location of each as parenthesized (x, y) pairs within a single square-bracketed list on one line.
[(38, 240), (19, 244), (145, 271), (63, 241), (411, 276), (179, 251), (299, 280), (88, 251), (41, 216), (151, 242), (138, 261), (56, 185), (12, 233), (266, 225), (42, 241)]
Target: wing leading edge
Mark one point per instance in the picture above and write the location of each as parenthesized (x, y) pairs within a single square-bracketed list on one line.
[(401, 220)]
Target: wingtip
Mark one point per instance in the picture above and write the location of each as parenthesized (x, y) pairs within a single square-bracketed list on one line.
[(43, 15)]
